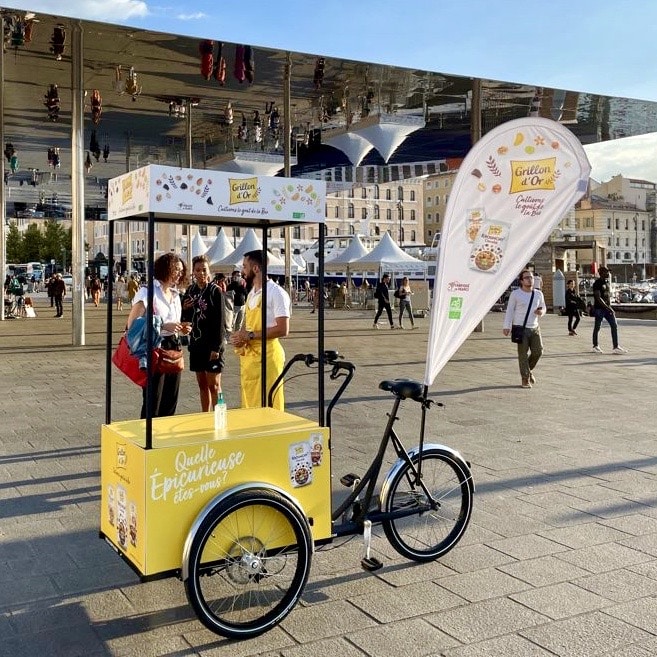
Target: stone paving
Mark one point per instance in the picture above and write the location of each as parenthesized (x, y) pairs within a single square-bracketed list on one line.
[(560, 557)]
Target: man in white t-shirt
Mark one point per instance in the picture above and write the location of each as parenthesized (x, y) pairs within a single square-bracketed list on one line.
[(248, 341), (523, 308)]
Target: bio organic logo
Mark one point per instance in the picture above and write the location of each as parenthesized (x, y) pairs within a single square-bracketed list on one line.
[(121, 456), (455, 307)]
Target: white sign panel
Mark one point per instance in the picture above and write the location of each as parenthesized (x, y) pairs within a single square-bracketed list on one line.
[(215, 194), (514, 186)]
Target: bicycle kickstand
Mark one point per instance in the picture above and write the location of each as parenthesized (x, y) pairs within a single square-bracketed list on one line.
[(369, 562)]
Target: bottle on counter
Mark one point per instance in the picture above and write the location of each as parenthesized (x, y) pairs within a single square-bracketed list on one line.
[(220, 414)]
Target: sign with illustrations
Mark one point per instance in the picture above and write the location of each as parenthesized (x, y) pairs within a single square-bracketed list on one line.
[(214, 194), (515, 185), (143, 490)]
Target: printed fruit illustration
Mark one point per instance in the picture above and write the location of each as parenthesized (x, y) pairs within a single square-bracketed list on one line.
[(502, 150), (519, 139), (529, 149)]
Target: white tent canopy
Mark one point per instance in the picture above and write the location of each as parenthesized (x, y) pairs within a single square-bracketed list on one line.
[(199, 247), (387, 255), (221, 248), (250, 242), (355, 251)]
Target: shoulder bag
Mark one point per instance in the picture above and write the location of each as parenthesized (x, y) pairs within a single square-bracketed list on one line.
[(517, 331)]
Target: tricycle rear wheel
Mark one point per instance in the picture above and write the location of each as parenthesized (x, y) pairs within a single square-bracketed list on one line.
[(248, 563), (423, 533)]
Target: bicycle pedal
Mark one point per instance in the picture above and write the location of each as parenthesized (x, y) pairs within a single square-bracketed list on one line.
[(349, 480), (370, 564)]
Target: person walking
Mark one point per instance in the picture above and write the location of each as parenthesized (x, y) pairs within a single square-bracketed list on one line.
[(602, 310), (382, 295), (133, 286), (168, 272), (573, 307), (58, 289), (203, 306), (96, 288), (237, 289), (526, 304), (120, 292), (248, 341), (404, 294)]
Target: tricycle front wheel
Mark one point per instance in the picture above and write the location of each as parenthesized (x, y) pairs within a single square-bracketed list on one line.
[(248, 563)]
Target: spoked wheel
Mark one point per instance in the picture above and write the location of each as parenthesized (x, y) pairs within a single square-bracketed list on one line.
[(428, 528), (248, 563)]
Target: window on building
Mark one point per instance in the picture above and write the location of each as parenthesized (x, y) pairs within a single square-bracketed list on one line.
[(412, 193), (363, 192), (337, 230), (428, 200), (627, 241), (617, 254), (437, 199), (412, 215), (296, 232), (337, 211), (351, 211), (388, 194), (388, 214), (617, 224), (608, 223), (400, 193), (626, 224), (363, 213), (203, 231), (352, 230), (412, 236), (351, 192), (429, 216), (376, 191), (377, 230), (282, 233), (376, 212)]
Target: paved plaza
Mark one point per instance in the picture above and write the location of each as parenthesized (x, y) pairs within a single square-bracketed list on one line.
[(560, 557)]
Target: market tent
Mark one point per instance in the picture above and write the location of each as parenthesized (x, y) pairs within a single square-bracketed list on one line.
[(386, 255), (300, 263), (221, 248), (353, 252), (250, 242), (199, 247)]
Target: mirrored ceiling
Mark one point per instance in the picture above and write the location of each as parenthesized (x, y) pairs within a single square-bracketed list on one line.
[(146, 92)]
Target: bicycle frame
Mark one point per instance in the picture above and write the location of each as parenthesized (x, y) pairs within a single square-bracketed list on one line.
[(369, 480)]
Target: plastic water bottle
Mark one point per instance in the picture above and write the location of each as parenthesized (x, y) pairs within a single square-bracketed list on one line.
[(220, 414)]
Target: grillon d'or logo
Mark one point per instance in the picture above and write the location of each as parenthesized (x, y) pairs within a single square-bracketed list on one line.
[(243, 190), (533, 174), (126, 189)]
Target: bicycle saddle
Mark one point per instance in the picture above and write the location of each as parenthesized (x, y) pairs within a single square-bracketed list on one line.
[(404, 388)]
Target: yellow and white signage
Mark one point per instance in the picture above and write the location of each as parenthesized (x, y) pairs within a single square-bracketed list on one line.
[(150, 498), (215, 194)]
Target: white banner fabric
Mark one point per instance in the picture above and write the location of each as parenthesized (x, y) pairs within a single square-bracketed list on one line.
[(514, 186)]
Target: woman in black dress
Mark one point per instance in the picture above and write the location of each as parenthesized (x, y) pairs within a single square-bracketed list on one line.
[(203, 306)]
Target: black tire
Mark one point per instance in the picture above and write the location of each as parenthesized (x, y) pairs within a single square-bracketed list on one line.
[(429, 533), (248, 563)]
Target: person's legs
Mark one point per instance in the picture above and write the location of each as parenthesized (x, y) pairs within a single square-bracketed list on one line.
[(570, 322), (169, 396), (611, 318), (389, 311), (598, 314), (577, 318), (535, 348), (401, 314), (379, 310), (523, 359), (409, 310)]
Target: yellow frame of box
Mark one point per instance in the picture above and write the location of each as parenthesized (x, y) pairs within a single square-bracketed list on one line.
[(151, 497)]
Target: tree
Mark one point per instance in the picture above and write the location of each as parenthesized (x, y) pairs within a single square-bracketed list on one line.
[(14, 244), (54, 239), (32, 243)]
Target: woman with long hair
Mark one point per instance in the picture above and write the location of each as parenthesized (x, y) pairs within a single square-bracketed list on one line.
[(169, 272), (404, 294)]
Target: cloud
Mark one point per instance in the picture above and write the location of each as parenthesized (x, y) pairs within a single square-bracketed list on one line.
[(191, 17), (97, 10), (633, 157)]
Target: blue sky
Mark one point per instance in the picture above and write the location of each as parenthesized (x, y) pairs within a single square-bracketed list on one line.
[(599, 46)]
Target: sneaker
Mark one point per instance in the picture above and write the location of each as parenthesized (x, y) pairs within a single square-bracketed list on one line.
[(596, 350), (392, 327), (619, 350), (401, 328), (526, 383), (375, 325), (532, 378)]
